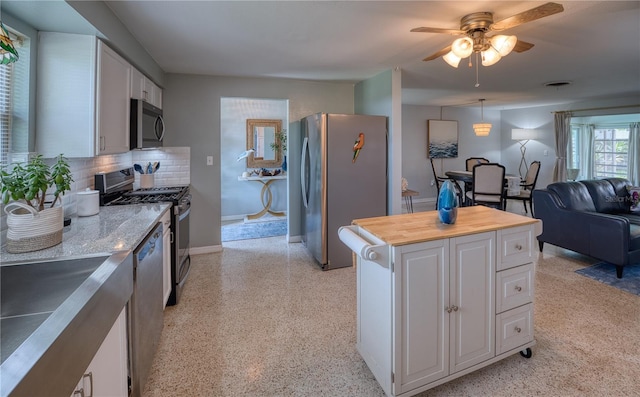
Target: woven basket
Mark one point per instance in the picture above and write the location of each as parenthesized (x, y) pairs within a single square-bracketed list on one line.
[(30, 230)]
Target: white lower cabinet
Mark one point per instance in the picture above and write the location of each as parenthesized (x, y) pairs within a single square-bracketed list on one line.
[(167, 236), (106, 375), (453, 326), (436, 310)]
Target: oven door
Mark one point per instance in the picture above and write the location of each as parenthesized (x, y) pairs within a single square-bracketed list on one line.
[(181, 261)]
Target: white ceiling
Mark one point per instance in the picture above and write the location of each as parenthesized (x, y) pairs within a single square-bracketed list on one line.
[(594, 44)]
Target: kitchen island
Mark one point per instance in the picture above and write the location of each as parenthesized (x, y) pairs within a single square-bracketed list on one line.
[(436, 301), (64, 307)]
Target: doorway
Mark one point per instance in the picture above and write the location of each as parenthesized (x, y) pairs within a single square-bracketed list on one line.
[(244, 197)]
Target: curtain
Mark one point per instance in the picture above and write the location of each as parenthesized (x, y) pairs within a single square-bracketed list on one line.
[(586, 151), (633, 172), (562, 121)]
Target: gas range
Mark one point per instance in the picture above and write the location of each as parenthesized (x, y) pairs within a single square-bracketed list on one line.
[(172, 194), (116, 188)]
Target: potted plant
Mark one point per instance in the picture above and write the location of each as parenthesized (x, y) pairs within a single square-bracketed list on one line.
[(34, 224), (280, 143)]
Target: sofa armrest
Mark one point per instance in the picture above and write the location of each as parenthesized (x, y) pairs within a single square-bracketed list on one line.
[(602, 236)]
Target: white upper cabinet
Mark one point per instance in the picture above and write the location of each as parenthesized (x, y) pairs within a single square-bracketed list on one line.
[(83, 90), (145, 89)]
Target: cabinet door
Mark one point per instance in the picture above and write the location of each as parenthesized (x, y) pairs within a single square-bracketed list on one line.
[(106, 375), (421, 323), (114, 89), (152, 93), (166, 256), (137, 84), (472, 273)]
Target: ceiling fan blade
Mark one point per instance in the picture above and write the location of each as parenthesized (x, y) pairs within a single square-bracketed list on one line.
[(522, 46), (438, 54), (437, 30), (527, 16)]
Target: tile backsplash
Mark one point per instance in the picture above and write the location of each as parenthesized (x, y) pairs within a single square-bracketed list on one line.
[(174, 170)]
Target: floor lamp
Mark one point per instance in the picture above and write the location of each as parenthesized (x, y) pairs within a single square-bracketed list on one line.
[(523, 136)]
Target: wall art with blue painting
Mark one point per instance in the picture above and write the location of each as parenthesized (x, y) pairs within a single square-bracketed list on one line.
[(442, 139)]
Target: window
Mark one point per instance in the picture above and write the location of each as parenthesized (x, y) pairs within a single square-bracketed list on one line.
[(14, 101), (6, 110), (610, 150), (599, 146)]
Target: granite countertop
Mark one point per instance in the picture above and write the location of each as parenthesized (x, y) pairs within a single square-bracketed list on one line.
[(114, 228)]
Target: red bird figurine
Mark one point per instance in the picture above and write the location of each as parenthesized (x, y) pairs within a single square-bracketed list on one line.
[(357, 146)]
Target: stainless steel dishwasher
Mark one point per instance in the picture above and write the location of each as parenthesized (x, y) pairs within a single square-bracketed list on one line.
[(145, 309)]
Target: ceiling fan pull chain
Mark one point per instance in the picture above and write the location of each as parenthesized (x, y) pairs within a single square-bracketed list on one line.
[(477, 82)]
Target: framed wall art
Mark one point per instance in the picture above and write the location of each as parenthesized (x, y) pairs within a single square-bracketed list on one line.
[(442, 139)]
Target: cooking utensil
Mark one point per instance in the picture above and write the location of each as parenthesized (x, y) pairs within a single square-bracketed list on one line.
[(138, 168), (156, 165), (149, 168)]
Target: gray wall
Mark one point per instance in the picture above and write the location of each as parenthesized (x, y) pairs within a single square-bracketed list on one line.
[(542, 118), (416, 167), (192, 113)]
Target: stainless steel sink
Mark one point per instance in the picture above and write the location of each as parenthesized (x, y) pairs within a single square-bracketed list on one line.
[(54, 316), (29, 293)]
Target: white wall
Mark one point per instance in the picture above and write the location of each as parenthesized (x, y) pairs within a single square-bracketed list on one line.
[(240, 198)]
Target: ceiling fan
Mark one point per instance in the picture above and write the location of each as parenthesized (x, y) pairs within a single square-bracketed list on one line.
[(476, 27)]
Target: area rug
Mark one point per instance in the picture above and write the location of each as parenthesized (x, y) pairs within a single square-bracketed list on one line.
[(244, 231), (606, 273)]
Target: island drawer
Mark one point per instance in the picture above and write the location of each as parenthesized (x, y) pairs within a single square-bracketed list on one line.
[(514, 247), (514, 328), (514, 287)]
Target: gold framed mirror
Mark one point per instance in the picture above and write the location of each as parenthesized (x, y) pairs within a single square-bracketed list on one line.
[(262, 137)]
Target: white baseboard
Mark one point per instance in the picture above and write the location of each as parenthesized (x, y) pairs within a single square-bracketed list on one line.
[(205, 250)]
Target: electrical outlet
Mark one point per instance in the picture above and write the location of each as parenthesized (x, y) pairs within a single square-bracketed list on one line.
[(209, 160)]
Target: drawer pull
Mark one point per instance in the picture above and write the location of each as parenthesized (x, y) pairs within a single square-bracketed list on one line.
[(519, 247), (518, 288), (518, 329)]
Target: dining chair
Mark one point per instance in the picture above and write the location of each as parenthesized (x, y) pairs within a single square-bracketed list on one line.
[(440, 180), (488, 185), (526, 187), (471, 161)]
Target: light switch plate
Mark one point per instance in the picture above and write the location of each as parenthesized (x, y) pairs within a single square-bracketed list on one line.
[(209, 160)]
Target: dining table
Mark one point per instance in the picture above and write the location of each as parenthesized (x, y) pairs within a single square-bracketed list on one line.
[(512, 181)]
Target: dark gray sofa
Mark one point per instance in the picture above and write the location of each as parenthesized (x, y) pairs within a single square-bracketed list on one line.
[(591, 217)]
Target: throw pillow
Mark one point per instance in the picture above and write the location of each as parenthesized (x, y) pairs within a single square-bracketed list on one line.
[(634, 195)]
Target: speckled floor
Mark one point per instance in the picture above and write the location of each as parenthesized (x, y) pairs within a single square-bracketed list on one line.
[(261, 319)]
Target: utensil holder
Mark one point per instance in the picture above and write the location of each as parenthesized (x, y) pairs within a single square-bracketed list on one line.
[(147, 181)]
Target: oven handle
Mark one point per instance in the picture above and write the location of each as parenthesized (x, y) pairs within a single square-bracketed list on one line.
[(182, 215)]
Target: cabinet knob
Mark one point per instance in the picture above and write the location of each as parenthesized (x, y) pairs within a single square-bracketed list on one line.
[(519, 247), (518, 329), (518, 288), (448, 309), (455, 308)]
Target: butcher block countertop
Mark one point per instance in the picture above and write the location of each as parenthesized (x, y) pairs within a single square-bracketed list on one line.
[(425, 226)]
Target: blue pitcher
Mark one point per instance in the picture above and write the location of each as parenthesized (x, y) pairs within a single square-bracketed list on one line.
[(447, 203)]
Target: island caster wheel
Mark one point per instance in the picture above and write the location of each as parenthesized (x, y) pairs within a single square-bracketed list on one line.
[(527, 353)]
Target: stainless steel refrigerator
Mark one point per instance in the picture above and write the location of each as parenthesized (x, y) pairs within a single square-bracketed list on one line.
[(343, 177)]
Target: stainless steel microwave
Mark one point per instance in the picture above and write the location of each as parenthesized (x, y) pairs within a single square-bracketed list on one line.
[(146, 125)]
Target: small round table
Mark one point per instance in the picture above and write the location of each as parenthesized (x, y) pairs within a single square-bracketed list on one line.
[(265, 195)]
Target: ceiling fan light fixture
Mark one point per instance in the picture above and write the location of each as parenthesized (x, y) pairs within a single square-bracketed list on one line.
[(462, 47), (490, 56), (451, 59), (504, 44)]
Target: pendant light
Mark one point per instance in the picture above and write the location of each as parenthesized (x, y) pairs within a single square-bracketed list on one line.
[(482, 128)]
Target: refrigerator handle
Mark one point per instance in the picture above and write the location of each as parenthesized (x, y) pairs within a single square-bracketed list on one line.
[(303, 180)]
